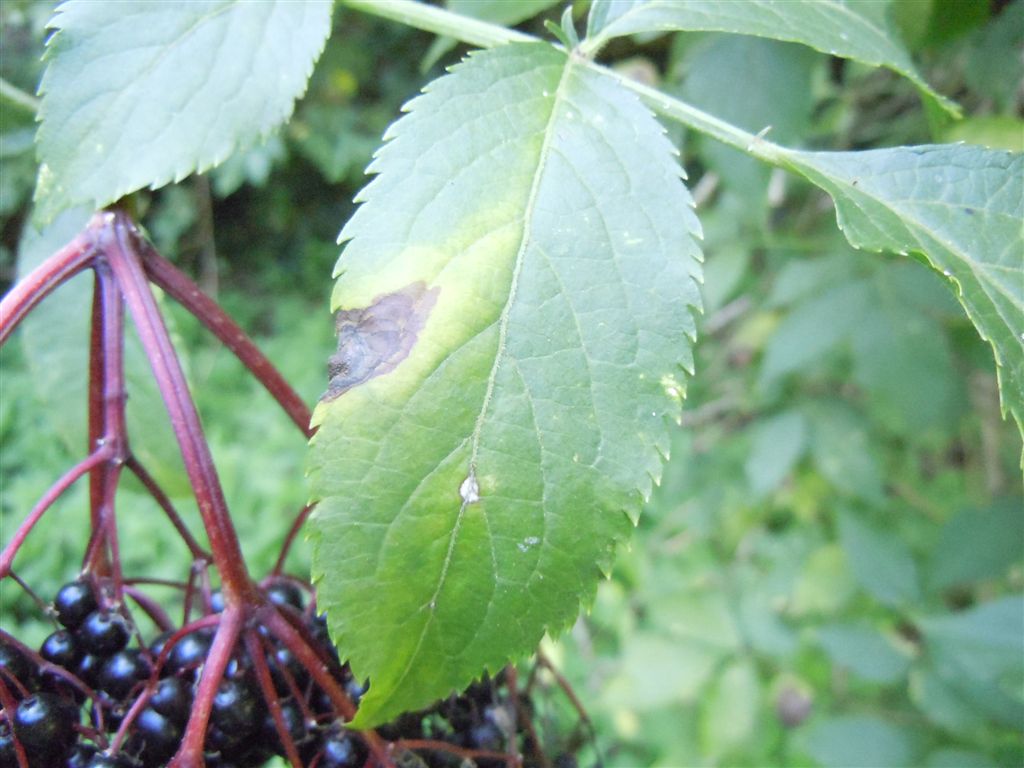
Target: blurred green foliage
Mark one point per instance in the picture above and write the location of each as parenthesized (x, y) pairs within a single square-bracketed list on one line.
[(831, 572)]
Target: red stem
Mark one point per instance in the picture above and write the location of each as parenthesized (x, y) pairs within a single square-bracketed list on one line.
[(289, 539), (209, 313), (165, 504), (190, 754), (42, 280), (119, 244), (282, 629), (11, 550), (259, 662)]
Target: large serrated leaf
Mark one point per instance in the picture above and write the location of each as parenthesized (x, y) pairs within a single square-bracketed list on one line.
[(961, 207), (140, 94), (858, 31), (514, 321)]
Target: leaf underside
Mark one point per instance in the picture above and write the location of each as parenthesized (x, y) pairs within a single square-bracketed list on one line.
[(858, 31), (515, 318), (138, 94), (959, 205)]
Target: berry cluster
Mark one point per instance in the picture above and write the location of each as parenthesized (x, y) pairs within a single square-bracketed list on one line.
[(71, 699), (96, 696)]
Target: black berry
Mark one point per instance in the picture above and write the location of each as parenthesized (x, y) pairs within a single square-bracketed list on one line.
[(74, 601), (340, 751), (103, 633), (80, 756), (45, 725), (120, 760), (294, 723), (285, 593), (61, 649), (156, 737), (122, 671), (173, 699), (190, 651), (15, 666)]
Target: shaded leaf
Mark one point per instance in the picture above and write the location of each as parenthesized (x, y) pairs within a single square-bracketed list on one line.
[(861, 742), (864, 651), (880, 562), (961, 207), (779, 443), (509, 353), (854, 31), (978, 544), (140, 94)]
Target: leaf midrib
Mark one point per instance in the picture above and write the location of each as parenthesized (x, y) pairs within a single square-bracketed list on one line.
[(499, 355)]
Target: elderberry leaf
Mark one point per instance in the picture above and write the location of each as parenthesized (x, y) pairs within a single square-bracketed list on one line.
[(858, 31), (959, 206), (139, 94), (514, 324)]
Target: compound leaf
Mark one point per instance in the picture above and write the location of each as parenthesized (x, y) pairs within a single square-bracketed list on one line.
[(858, 31), (140, 94), (959, 206), (513, 328)]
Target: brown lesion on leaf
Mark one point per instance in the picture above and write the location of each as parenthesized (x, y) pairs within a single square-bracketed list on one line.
[(373, 340)]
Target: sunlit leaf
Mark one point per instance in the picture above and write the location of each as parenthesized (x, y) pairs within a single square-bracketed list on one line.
[(514, 324), (139, 94)]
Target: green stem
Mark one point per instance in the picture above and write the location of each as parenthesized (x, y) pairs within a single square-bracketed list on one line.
[(18, 97), (430, 18), (439, 21), (674, 109)]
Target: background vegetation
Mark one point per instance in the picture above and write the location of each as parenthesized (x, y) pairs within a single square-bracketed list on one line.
[(831, 573)]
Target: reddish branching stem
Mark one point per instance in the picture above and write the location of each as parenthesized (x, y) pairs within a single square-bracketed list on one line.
[(188, 294)]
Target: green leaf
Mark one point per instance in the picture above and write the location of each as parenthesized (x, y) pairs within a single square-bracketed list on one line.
[(958, 758), (842, 452), (514, 324), (854, 31), (879, 561), (814, 328), (728, 713), (984, 641), (779, 443), (861, 742), (140, 94), (864, 651), (978, 544), (959, 206), (753, 83)]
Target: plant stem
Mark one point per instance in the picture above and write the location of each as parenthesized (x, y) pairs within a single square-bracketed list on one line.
[(41, 282), (209, 313), (65, 482), (118, 243), (475, 32), (430, 18), (19, 98)]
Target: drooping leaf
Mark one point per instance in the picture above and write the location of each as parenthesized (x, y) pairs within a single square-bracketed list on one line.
[(139, 94), (959, 206), (854, 31), (513, 325)]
